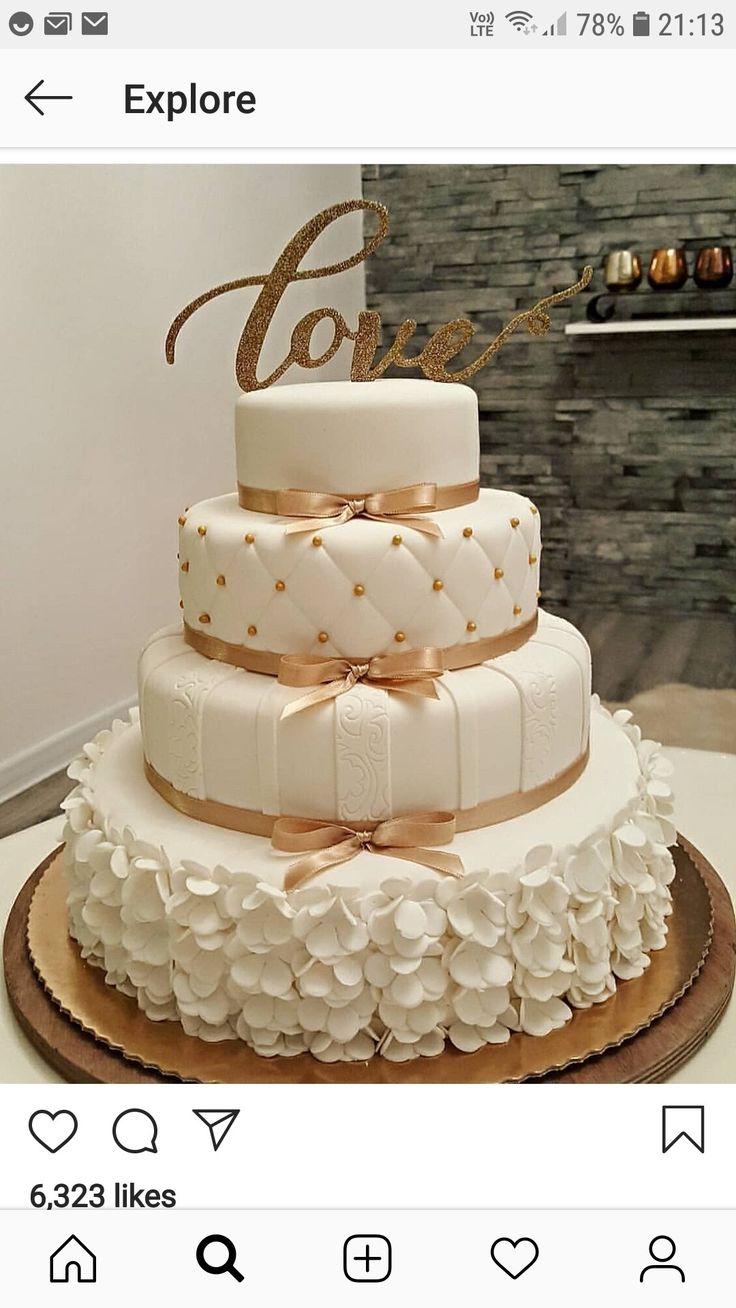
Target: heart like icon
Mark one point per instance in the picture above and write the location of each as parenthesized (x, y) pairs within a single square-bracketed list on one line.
[(514, 1257), (53, 1130)]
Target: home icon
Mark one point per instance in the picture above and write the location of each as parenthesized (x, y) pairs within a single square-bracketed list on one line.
[(73, 1261)]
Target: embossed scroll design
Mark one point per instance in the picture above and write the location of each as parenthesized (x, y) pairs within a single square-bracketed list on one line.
[(444, 344)]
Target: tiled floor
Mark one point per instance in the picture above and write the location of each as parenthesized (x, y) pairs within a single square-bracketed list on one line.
[(678, 674)]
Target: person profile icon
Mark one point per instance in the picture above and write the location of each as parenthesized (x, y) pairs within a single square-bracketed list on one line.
[(662, 1249)]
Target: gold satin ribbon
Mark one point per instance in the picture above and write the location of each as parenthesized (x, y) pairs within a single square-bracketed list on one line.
[(327, 844), (253, 823), (403, 507), (467, 654), (412, 672)]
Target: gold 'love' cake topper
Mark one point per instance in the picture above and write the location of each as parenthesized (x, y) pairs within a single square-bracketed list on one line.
[(444, 344)]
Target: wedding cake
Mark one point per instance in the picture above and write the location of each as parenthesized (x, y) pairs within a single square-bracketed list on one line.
[(370, 805)]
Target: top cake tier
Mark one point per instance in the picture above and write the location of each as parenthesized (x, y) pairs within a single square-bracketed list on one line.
[(355, 438)]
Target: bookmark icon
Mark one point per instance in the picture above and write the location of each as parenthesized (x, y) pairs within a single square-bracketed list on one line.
[(218, 1122)]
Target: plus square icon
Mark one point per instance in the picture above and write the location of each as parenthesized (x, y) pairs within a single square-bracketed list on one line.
[(367, 1258)]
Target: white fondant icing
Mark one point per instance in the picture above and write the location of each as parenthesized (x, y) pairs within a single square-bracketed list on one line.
[(357, 437), (506, 725), (378, 955), (397, 580)]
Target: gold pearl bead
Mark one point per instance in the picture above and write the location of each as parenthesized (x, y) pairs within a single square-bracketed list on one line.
[(517, 610), (532, 558), (204, 618), (467, 532), (185, 566), (202, 531), (533, 509), (181, 604), (396, 540), (221, 580), (252, 631), (249, 538), (514, 522), (437, 585), (323, 638), (316, 540), (280, 585), (472, 626), (358, 589), (399, 636), (498, 573), (182, 521), (539, 594)]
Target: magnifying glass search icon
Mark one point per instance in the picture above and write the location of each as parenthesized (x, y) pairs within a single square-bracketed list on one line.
[(217, 1269)]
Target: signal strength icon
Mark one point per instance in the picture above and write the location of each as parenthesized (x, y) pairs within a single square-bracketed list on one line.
[(559, 28), (519, 19)]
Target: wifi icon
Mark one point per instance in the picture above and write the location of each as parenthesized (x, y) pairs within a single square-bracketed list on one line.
[(519, 19)]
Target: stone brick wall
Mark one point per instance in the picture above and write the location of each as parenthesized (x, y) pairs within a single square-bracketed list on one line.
[(627, 444)]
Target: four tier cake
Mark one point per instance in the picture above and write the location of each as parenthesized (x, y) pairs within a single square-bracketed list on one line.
[(370, 805)]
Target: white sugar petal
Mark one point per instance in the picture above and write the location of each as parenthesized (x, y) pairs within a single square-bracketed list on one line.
[(343, 1024), (465, 1038), (410, 919), (407, 991), (276, 977)]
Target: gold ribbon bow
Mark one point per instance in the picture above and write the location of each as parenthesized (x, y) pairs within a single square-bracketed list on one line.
[(413, 672), (402, 507), (327, 844)]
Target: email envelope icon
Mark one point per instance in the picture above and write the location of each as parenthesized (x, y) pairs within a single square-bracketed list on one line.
[(57, 24), (94, 23)]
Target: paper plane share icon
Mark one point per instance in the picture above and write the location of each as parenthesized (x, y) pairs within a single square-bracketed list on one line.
[(218, 1122)]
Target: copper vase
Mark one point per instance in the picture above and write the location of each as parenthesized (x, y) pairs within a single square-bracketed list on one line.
[(622, 271), (668, 270), (713, 267)]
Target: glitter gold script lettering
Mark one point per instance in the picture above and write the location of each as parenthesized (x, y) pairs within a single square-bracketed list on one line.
[(442, 346)]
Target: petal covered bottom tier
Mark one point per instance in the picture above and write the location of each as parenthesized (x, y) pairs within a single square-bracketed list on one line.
[(377, 955)]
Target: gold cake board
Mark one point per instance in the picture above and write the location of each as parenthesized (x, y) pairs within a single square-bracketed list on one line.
[(90, 1032)]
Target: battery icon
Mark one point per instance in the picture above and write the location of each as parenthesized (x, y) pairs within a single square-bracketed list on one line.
[(642, 24)]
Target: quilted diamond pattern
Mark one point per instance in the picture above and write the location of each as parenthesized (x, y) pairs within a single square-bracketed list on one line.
[(279, 592)]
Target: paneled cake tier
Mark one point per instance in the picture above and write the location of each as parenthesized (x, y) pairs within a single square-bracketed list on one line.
[(362, 588), (354, 438), (214, 732)]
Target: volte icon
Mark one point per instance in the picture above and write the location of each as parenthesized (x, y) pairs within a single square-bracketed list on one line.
[(218, 1122)]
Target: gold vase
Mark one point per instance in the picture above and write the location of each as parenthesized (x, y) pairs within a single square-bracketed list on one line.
[(622, 271), (668, 270), (713, 267)]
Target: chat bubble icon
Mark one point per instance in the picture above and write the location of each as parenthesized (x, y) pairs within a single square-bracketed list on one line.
[(683, 1122), (135, 1131)]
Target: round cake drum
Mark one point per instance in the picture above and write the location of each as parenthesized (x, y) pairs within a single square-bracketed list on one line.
[(90, 1032)]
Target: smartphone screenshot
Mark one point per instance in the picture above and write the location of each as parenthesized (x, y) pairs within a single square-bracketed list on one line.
[(368, 691)]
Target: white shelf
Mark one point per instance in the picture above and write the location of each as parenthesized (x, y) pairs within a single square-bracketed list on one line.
[(651, 325)]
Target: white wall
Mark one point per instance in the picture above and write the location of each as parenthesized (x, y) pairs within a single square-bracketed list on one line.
[(101, 444)]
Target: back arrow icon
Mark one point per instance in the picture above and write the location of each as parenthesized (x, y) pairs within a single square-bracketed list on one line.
[(32, 98)]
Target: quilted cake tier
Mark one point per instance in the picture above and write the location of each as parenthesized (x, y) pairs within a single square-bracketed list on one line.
[(362, 588)]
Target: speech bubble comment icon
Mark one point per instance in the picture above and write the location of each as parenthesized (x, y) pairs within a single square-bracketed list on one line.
[(135, 1131)]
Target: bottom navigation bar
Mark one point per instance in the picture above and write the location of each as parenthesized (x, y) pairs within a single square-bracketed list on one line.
[(276, 1256)]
